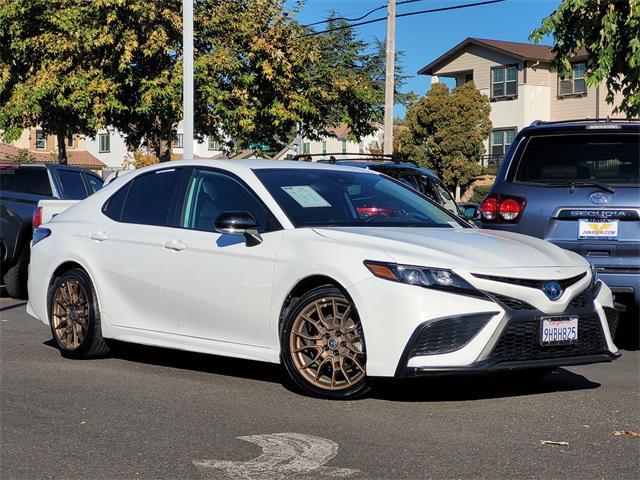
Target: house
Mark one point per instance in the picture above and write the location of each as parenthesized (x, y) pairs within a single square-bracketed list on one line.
[(338, 142), (106, 151), (522, 85), (75, 158)]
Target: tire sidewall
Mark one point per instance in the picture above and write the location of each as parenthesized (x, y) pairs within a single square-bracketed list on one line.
[(94, 315), (299, 381)]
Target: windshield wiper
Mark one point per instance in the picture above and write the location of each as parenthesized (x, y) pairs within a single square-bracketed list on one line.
[(572, 186)]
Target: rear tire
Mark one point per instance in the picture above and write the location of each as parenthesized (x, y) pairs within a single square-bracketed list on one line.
[(322, 344), (15, 279), (74, 316)]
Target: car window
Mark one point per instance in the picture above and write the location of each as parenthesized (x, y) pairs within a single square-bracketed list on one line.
[(612, 158), (150, 197), (95, 183), (73, 187), (211, 193), (315, 197), (113, 207), (25, 180), (446, 200)]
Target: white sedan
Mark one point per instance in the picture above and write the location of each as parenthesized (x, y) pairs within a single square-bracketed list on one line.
[(339, 273)]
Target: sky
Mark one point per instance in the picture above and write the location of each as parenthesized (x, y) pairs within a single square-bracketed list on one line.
[(424, 38)]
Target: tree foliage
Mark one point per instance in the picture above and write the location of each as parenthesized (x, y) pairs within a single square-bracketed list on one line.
[(445, 130), (77, 66), (609, 30), (50, 73)]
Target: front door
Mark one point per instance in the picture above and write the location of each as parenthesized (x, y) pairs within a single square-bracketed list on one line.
[(215, 286)]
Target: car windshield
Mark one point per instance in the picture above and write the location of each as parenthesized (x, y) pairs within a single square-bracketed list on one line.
[(612, 159), (323, 198)]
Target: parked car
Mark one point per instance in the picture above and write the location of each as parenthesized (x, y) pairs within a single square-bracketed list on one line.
[(340, 273), (417, 177), (22, 186), (577, 185)]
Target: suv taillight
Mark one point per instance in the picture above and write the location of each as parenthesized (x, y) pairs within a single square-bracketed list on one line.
[(36, 219), (497, 208)]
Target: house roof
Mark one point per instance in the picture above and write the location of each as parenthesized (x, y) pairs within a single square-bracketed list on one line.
[(521, 51), (75, 158)]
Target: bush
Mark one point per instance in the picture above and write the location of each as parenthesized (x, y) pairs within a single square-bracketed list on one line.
[(479, 192), (23, 156)]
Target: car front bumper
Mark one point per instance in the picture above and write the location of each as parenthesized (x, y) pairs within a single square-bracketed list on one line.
[(480, 335)]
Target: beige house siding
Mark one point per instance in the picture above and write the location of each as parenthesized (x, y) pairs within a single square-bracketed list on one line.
[(540, 74), (480, 61)]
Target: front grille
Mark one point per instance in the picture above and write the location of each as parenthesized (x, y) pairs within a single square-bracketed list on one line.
[(512, 303), (612, 319), (525, 282), (583, 299), (448, 335), (520, 341)]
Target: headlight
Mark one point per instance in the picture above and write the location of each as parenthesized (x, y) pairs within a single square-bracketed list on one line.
[(437, 278)]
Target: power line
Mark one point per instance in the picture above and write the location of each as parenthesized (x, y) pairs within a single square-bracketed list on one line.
[(409, 14), (334, 19)]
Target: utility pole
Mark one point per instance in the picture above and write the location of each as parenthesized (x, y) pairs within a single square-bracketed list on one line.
[(187, 79), (389, 81)]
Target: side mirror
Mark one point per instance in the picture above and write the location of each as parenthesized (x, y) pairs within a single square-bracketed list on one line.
[(239, 223), (471, 212)]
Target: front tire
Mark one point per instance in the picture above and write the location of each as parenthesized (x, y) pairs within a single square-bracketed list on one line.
[(323, 347), (74, 316)]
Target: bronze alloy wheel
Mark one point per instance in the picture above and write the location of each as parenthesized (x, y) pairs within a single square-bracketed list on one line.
[(327, 344), (70, 314)]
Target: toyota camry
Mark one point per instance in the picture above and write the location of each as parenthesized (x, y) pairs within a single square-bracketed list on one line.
[(338, 273)]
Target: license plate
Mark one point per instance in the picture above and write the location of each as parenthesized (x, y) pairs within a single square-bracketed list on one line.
[(598, 229), (558, 330)]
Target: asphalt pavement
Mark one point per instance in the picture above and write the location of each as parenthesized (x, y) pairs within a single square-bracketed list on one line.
[(156, 413)]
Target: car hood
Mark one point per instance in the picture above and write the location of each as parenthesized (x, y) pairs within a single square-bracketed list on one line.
[(463, 248)]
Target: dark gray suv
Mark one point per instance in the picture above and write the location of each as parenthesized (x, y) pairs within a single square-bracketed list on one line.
[(576, 184)]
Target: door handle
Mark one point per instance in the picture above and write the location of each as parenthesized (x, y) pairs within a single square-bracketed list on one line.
[(176, 245), (100, 236)]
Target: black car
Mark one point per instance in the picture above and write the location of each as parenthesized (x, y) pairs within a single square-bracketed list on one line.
[(22, 186), (417, 177)]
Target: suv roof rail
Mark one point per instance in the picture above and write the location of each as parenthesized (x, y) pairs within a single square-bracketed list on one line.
[(536, 123)]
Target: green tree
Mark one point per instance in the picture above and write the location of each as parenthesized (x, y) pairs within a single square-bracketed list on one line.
[(141, 50), (49, 72), (445, 130), (609, 30), (259, 77), (75, 66)]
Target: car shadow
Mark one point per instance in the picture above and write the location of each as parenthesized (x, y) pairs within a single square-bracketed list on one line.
[(451, 388), (13, 305), (200, 362), (426, 389)]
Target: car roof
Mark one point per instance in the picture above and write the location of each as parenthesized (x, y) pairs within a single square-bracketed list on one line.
[(582, 126), (385, 164), (52, 166), (251, 165)]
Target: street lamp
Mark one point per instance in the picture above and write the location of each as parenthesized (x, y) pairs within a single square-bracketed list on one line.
[(187, 78)]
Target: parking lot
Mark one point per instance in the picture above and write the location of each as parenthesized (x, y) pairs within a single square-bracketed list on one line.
[(155, 413)]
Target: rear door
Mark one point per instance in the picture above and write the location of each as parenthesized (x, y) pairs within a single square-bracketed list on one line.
[(581, 191), (126, 244)]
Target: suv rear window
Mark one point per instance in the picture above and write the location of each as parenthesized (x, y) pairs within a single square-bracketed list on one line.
[(33, 180), (612, 158)]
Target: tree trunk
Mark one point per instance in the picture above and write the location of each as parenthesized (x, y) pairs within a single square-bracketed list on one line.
[(165, 142), (458, 192), (62, 147)]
